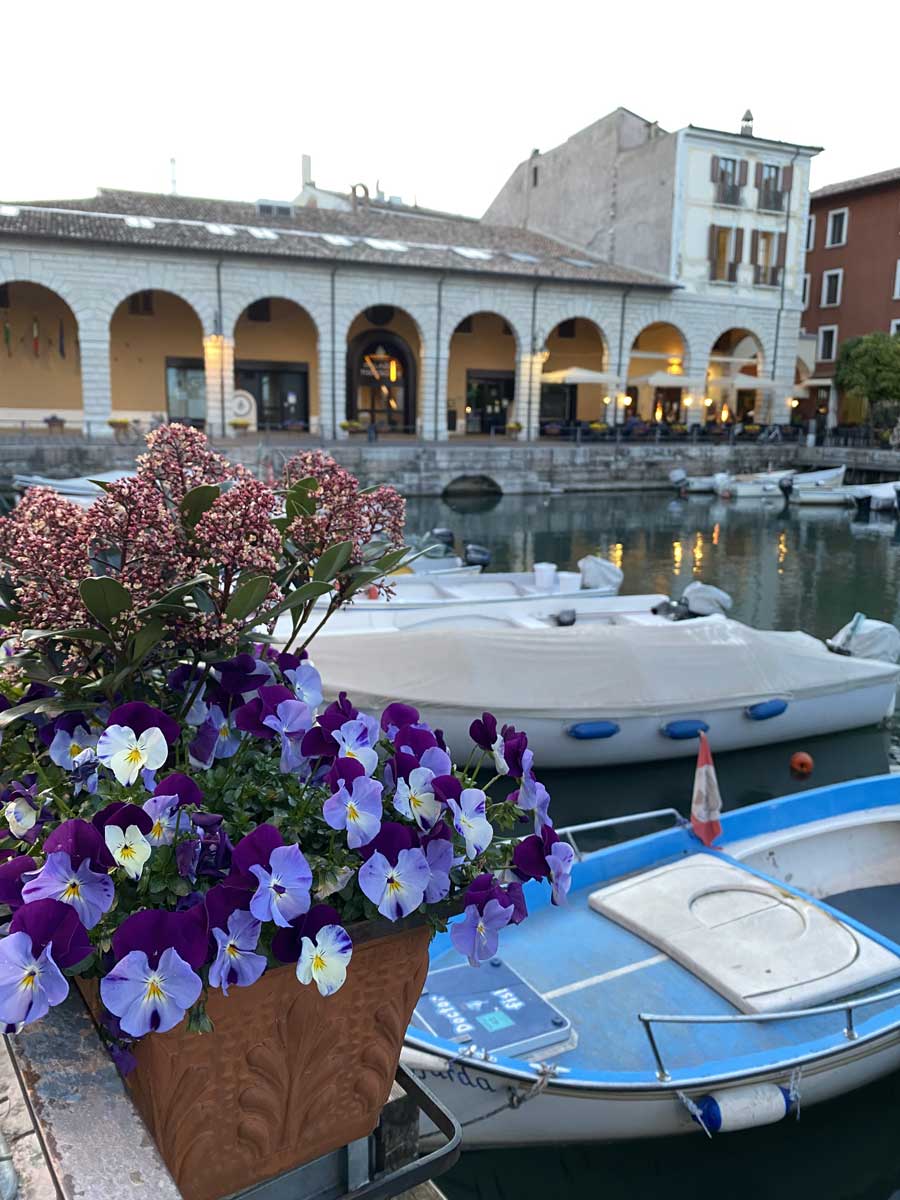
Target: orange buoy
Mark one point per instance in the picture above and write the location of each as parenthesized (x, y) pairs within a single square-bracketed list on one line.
[(801, 764)]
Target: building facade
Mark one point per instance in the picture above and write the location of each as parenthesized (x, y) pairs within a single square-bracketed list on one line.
[(676, 287), (851, 284)]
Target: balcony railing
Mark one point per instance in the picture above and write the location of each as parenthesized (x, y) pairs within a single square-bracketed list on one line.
[(767, 276), (728, 193), (770, 200)]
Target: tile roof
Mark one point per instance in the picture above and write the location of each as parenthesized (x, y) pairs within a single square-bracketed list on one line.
[(368, 235), (857, 185)]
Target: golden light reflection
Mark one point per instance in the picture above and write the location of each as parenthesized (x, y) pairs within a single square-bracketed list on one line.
[(715, 534), (782, 551), (697, 552), (677, 553), (614, 554)]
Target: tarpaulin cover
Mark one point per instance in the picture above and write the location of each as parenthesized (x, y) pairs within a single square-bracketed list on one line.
[(711, 662)]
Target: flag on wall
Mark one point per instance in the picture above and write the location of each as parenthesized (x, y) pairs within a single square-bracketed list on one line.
[(706, 802), (36, 336), (62, 339)]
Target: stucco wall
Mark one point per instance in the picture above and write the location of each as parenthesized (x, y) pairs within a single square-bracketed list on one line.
[(289, 336), (139, 347), (486, 348), (39, 385)]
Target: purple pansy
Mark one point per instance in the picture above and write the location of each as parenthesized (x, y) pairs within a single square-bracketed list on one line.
[(283, 891), (477, 935), (250, 717), (163, 812), (306, 682), (416, 800), (483, 731), (515, 743), (139, 717), (52, 923), (90, 893), (150, 998), (470, 822), (485, 888), (12, 881), (286, 944), (123, 814), (545, 856), (85, 772), (357, 810), (439, 855), (235, 962), (395, 889), (243, 675), (396, 715), (447, 787), (215, 738), (81, 840), (66, 747), (355, 740), (290, 720), (68, 722), (155, 931), (180, 787), (30, 981)]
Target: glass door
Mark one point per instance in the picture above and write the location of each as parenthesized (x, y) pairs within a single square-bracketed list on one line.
[(488, 398)]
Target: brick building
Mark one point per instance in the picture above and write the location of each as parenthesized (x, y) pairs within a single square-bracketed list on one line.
[(851, 284)]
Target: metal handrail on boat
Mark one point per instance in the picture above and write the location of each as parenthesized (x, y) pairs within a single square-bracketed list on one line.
[(843, 1006), (568, 832)]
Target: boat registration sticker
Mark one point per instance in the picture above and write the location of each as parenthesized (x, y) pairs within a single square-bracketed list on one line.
[(495, 1020)]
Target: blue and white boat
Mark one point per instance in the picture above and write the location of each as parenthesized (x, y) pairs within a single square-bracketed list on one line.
[(681, 988)]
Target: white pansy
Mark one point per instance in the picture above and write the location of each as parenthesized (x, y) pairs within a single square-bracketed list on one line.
[(324, 962), (20, 816), (127, 755), (129, 848), (497, 749)]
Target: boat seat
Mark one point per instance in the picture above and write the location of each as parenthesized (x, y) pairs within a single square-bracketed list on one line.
[(761, 948)]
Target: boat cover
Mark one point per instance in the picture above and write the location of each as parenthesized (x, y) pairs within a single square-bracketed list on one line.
[(762, 948), (617, 670)]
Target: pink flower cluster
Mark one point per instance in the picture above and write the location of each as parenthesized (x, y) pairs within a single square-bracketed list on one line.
[(179, 458), (236, 533), (342, 514), (44, 545)]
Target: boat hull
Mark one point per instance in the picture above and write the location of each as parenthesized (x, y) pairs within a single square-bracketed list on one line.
[(598, 1114), (639, 738)]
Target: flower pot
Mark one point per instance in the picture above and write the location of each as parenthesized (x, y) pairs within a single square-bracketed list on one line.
[(288, 1075)]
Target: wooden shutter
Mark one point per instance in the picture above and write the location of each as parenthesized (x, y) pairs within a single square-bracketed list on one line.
[(781, 250), (754, 247), (742, 173), (714, 174), (757, 176), (738, 246), (787, 178), (713, 237)]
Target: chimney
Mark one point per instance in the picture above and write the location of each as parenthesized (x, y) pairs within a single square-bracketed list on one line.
[(306, 169), (747, 124)]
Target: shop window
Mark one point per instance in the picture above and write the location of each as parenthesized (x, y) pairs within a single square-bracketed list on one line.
[(141, 304)]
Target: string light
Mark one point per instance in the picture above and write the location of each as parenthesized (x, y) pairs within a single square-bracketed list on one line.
[(677, 553)]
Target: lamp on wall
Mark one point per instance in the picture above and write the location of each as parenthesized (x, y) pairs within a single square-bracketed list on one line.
[(708, 401), (607, 399), (688, 400), (793, 402)]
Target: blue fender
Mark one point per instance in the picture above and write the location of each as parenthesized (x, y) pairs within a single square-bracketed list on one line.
[(686, 727), (586, 730), (765, 710)]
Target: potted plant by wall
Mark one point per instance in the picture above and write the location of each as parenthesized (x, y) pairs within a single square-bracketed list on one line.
[(513, 428), (54, 423), (352, 427), (239, 425), (241, 878), (120, 427)]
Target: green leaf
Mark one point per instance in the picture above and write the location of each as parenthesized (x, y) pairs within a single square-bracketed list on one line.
[(81, 633), (248, 597), (175, 592), (333, 560), (48, 706), (389, 561), (300, 595), (7, 614), (104, 484), (198, 501), (145, 639), (361, 579), (105, 598)]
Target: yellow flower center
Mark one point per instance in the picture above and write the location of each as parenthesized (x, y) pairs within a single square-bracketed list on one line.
[(29, 978), (350, 754), (231, 950), (223, 732), (352, 812), (72, 890), (134, 756), (318, 962), (479, 928), (393, 885), (74, 749), (414, 800), (127, 851), (154, 991), (158, 829)]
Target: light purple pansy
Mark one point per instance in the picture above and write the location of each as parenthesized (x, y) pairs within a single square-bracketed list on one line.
[(325, 960), (215, 738), (283, 891), (355, 740), (163, 811), (416, 799), (30, 984), (307, 684), (149, 999), (235, 962), (90, 893), (560, 860), (470, 822), (290, 720), (396, 890), (436, 760), (477, 935), (357, 810), (66, 747), (439, 854)]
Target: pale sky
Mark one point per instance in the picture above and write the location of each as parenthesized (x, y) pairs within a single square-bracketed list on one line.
[(437, 100)]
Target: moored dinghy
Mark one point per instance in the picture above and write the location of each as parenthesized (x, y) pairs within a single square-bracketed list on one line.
[(618, 687), (622, 1015)]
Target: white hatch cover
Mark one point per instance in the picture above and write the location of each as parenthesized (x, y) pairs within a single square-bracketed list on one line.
[(762, 948)]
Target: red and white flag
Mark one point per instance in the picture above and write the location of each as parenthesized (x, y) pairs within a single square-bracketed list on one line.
[(706, 802)]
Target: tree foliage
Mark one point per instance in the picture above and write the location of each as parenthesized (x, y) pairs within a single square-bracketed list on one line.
[(869, 368)]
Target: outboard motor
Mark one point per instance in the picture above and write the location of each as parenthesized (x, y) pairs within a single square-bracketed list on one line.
[(786, 484), (863, 507), (476, 556), (672, 610), (697, 600), (677, 477), (863, 638), (565, 618), (445, 536)]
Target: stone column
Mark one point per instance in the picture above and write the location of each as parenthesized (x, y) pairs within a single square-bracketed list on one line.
[(431, 420), (218, 362), (833, 418), (93, 343), (527, 407)]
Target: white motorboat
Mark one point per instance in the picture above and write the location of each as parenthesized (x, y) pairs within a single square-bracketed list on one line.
[(829, 477), (882, 497), (81, 489), (746, 487), (681, 989), (824, 496), (616, 687)]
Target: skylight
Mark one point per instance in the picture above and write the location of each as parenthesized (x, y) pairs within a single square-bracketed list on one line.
[(8, 210), (264, 235), (382, 244), (220, 230), (520, 256), (138, 222), (337, 239), (578, 262), (471, 252)]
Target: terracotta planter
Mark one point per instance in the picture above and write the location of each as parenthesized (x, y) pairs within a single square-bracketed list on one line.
[(287, 1075)]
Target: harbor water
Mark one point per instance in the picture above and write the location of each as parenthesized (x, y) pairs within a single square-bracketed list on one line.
[(786, 568)]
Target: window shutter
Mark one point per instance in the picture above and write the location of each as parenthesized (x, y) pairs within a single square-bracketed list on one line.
[(713, 235), (787, 178), (757, 176), (754, 247), (714, 174), (738, 246), (742, 174), (781, 251)]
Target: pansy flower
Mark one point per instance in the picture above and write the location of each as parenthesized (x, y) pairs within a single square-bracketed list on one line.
[(150, 999), (357, 810), (21, 810), (439, 855), (307, 684), (515, 744), (470, 822), (30, 983), (250, 717), (90, 893), (84, 772), (216, 738), (416, 799), (243, 675), (395, 716), (163, 811), (545, 856), (396, 888), (325, 960), (485, 887), (127, 753), (283, 891), (483, 731), (290, 720), (355, 740), (235, 962), (128, 847), (139, 717), (67, 746), (288, 941), (12, 879), (477, 935)]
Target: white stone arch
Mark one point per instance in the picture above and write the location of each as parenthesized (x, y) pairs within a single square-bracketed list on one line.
[(576, 314), (235, 305), (454, 314), (635, 328), (384, 298), (738, 326), (13, 271), (160, 277), (418, 391)]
